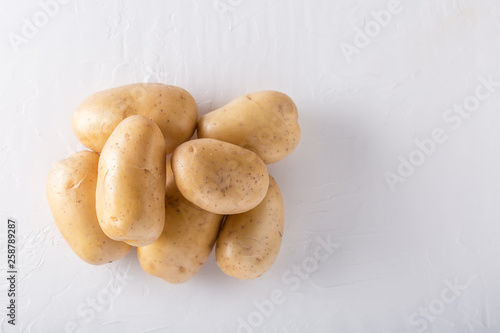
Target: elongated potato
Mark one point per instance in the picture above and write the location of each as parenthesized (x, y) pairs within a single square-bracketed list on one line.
[(219, 177), (264, 122), (71, 187), (172, 109), (186, 241), (130, 195), (249, 243)]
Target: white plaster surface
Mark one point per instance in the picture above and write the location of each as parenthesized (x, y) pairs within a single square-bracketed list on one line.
[(419, 253)]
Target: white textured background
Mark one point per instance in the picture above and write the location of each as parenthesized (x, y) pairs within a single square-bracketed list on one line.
[(419, 257)]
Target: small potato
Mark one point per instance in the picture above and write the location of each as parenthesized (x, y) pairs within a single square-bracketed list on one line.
[(130, 195), (187, 239), (172, 109), (219, 177), (264, 122), (249, 243), (71, 187)]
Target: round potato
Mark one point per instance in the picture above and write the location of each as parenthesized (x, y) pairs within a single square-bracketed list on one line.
[(71, 187), (219, 177), (187, 239), (172, 109), (264, 122), (249, 243), (130, 195)]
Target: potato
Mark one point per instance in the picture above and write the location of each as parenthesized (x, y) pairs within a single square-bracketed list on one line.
[(71, 187), (187, 239), (219, 177), (130, 195), (249, 243), (264, 122), (172, 108)]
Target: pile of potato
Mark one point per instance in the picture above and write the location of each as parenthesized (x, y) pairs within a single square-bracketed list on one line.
[(146, 184)]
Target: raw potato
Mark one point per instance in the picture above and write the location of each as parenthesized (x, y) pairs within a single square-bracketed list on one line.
[(249, 243), (187, 239), (264, 122), (172, 108), (71, 187), (130, 195), (219, 177)]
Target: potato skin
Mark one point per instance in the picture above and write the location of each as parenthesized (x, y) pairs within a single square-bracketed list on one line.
[(172, 109), (130, 194), (219, 177), (70, 188), (264, 122), (249, 243), (186, 241)]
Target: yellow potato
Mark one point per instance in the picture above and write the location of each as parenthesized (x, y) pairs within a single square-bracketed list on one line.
[(71, 187), (219, 177), (264, 122), (187, 239), (130, 195), (249, 243), (172, 109)]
